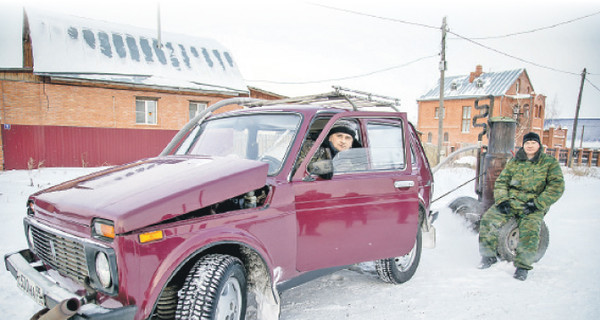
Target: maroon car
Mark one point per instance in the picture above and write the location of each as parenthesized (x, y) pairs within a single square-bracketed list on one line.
[(234, 209)]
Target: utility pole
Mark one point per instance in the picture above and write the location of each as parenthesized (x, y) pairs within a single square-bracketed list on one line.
[(441, 108), (572, 153)]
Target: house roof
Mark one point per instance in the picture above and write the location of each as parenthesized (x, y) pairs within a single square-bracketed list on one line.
[(488, 83), (85, 49)]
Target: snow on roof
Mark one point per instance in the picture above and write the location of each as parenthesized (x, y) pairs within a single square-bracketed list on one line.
[(73, 47), (488, 83), (11, 55)]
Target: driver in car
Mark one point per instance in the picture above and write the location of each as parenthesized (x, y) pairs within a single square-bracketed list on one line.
[(341, 137)]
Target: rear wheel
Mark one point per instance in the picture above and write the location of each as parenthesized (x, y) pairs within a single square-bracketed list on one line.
[(400, 269), (215, 289), (508, 239)]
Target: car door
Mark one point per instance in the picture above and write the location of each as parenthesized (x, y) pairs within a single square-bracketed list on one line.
[(359, 215)]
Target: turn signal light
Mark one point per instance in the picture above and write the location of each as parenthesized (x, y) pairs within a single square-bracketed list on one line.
[(151, 236), (104, 229)]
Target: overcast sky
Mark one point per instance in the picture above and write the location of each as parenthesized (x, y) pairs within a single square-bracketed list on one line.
[(384, 47)]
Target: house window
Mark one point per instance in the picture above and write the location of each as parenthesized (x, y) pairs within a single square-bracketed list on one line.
[(429, 137), (446, 137), (437, 111), (145, 111), (466, 119), (479, 83), (196, 107)]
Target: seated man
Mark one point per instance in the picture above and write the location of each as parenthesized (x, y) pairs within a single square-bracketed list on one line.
[(340, 138), (529, 184)]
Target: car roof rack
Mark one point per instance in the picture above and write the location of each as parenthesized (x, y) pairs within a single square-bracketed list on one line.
[(340, 98)]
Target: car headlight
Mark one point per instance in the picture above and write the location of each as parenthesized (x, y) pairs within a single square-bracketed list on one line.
[(103, 269)]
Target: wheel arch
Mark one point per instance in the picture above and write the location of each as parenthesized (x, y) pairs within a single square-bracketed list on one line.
[(259, 274)]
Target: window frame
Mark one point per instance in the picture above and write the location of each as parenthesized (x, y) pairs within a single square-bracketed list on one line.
[(197, 104), (436, 111), (466, 121), (147, 114), (397, 124)]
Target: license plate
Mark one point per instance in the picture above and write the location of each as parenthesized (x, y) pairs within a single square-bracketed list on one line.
[(31, 288)]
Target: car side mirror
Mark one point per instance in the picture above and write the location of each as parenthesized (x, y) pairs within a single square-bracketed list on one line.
[(322, 168)]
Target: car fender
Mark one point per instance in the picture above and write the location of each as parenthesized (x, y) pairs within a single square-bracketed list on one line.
[(193, 248)]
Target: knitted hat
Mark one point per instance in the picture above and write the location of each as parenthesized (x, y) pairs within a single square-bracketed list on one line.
[(532, 136), (343, 127)]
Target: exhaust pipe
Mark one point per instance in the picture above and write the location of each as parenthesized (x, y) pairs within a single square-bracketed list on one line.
[(62, 311)]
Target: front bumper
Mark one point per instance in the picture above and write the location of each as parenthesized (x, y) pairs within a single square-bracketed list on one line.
[(22, 263)]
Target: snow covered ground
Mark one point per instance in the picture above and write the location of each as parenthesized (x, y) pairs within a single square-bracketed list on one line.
[(565, 284)]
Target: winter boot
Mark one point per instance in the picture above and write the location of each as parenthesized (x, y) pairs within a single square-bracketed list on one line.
[(520, 274), (487, 262)]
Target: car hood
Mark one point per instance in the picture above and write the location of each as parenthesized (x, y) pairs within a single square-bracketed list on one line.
[(150, 191)]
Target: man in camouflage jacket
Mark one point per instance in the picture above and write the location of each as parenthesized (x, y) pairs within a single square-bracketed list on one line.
[(341, 137), (529, 184)]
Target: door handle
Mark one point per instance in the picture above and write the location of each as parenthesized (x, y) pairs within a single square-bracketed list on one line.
[(403, 184)]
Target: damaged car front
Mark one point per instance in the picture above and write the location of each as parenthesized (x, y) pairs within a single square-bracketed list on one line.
[(105, 245)]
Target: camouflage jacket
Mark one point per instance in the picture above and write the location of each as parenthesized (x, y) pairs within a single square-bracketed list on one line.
[(539, 179), (322, 153)]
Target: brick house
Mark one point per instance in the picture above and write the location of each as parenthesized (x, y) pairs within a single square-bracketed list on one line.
[(513, 97), (80, 92)]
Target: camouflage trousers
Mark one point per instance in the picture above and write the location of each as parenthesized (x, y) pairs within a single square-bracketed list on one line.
[(529, 234)]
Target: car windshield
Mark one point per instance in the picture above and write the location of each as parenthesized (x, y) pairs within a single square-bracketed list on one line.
[(263, 137)]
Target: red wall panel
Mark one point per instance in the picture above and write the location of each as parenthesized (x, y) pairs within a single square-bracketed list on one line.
[(55, 146)]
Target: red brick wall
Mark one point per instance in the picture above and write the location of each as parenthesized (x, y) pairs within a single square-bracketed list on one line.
[(35, 103), (27, 99)]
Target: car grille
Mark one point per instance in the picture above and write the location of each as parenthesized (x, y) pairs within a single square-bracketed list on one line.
[(63, 254)]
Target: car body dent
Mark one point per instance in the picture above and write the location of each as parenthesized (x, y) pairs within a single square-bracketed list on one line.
[(152, 190), (234, 229)]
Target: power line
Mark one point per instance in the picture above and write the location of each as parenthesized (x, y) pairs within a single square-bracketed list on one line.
[(472, 40), (375, 16), (512, 56), (346, 78), (593, 85), (537, 29)]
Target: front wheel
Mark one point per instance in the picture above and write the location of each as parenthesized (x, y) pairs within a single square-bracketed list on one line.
[(400, 269), (215, 289)]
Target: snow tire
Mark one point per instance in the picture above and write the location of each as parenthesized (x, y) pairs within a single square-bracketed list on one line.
[(215, 289), (468, 208), (508, 238), (401, 269)]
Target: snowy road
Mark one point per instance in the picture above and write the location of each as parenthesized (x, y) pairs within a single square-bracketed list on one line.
[(565, 284)]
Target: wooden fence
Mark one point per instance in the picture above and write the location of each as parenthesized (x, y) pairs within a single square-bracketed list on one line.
[(581, 157)]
